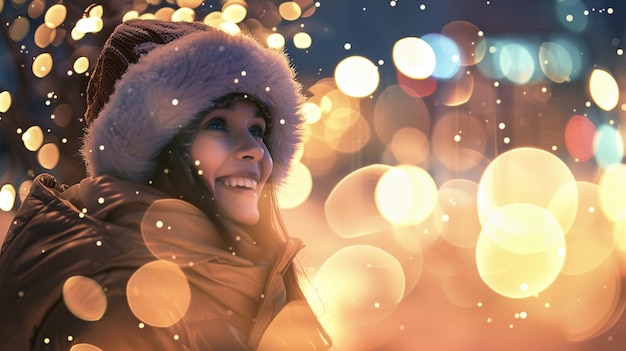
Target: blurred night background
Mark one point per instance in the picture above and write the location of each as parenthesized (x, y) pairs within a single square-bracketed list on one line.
[(461, 185)]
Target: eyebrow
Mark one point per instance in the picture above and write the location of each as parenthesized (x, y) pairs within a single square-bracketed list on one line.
[(257, 114)]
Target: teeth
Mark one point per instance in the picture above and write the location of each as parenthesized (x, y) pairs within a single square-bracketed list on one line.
[(240, 182)]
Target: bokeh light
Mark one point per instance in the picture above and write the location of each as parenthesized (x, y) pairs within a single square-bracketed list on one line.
[(457, 90), (19, 29), (457, 214), (183, 14), (517, 63), (357, 76), (48, 155), (555, 62), (296, 188), (7, 197), (447, 54), (84, 347), (612, 192), (44, 36), (84, 297), (42, 65), (5, 101), (359, 286), (520, 250), (469, 40), (406, 195), (608, 146), (351, 209), (192, 4), (459, 140), (346, 130), (233, 11), (586, 305), (311, 112), (396, 109), (414, 57), (590, 240), (571, 15), (158, 223), (33, 138), (91, 24), (528, 176), (158, 293), (55, 15), (409, 146), (302, 40), (579, 138), (290, 10), (276, 41), (603, 89)]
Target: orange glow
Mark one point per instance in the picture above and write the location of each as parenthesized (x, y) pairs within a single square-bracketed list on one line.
[(396, 109), (406, 195), (612, 192), (457, 214), (296, 188), (55, 16), (350, 209), (590, 241), (531, 176), (469, 40), (409, 146), (520, 250), (158, 293), (48, 156), (458, 141), (360, 285), (85, 298)]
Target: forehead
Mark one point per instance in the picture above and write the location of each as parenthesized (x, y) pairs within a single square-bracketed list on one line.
[(233, 105), (231, 99)]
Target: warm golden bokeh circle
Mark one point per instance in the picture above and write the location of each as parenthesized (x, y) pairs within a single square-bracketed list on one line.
[(520, 250), (351, 209), (528, 176), (84, 297), (406, 195), (158, 293)]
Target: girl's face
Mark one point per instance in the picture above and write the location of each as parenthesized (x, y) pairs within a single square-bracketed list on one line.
[(228, 152)]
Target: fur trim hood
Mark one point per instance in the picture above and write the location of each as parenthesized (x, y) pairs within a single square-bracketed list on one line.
[(173, 83)]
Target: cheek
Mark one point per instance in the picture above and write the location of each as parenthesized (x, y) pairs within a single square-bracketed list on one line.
[(267, 164), (202, 162)]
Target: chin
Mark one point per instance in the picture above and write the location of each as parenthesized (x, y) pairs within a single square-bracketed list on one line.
[(243, 219)]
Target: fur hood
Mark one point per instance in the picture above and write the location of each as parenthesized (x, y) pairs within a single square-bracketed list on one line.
[(173, 83)]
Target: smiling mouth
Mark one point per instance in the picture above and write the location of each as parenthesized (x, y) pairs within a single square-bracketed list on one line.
[(238, 182)]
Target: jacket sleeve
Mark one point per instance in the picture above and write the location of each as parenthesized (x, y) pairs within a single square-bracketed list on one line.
[(120, 330)]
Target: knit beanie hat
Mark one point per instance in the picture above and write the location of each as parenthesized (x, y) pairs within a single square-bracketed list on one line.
[(153, 78)]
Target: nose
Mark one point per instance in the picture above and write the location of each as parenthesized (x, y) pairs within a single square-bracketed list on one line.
[(248, 147)]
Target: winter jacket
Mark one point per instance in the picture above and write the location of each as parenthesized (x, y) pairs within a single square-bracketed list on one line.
[(94, 238)]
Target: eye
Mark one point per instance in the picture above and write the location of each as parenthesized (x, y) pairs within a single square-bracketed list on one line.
[(215, 123), (257, 131)]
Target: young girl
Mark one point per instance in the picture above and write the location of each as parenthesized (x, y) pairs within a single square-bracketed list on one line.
[(174, 240)]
